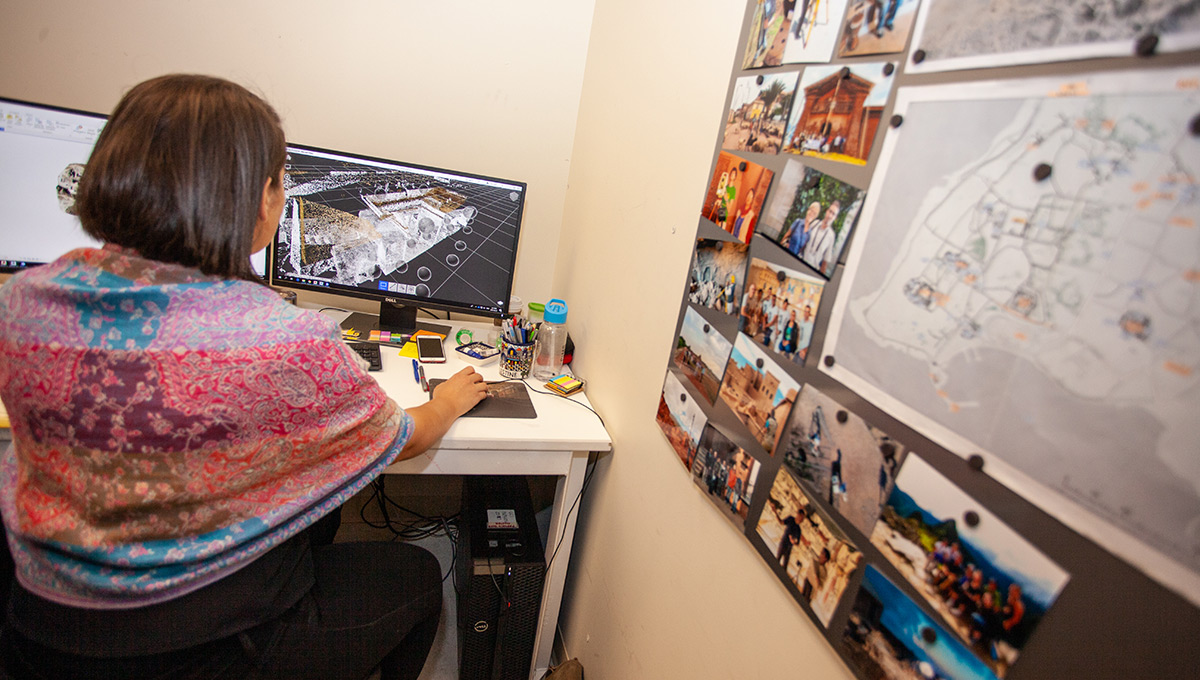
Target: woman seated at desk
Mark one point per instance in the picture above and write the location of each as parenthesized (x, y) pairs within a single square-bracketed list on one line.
[(182, 438)]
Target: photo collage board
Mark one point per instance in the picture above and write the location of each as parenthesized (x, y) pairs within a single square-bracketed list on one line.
[(859, 507)]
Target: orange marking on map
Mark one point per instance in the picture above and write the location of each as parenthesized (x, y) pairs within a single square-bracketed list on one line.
[(1145, 203), (1181, 221), (1187, 84), (1192, 275), (1185, 371), (1020, 336), (953, 408), (1140, 186)]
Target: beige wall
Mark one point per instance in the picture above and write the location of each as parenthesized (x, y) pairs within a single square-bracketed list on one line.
[(661, 586), (485, 87)]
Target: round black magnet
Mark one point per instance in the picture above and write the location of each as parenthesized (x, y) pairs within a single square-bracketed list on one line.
[(971, 518), (742, 166), (829, 360), (1195, 126), (842, 416), (845, 72), (706, 327), (918, 56), (897, 120), (781, 276), (1042, 171), (1146, 45), (929, 635), (758, 363), (889, 68), (975, 462), (759, 80), (682, 397)]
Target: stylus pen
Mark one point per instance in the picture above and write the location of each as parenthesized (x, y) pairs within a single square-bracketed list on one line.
[(417, 373)]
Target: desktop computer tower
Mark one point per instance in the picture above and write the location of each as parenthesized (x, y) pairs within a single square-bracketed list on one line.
[(499, 572)]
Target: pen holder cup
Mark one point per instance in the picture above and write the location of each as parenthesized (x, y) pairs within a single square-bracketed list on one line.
[(515, 359)]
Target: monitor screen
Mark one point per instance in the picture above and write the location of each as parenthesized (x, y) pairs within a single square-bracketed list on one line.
[(408, 235), (42, 153)]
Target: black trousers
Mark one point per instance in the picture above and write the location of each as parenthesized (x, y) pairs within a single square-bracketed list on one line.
[(369, 604)]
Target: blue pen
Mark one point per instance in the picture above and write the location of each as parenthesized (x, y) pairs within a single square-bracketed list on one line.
[(416, 372)]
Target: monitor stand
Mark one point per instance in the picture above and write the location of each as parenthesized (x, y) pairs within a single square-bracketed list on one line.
[(399, 320)]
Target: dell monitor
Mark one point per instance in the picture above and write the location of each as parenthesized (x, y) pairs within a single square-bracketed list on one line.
[(407, 235), (43, 150)]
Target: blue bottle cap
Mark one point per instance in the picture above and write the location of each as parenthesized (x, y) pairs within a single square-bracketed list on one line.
[(556, 311)]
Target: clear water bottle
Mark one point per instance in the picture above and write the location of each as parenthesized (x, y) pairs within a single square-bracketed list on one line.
[(551, 341)]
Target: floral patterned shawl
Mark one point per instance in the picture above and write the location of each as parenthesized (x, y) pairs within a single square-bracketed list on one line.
[(169, 427)]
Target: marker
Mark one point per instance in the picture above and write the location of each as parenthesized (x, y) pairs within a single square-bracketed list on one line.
[(424, 383), (417, 373)]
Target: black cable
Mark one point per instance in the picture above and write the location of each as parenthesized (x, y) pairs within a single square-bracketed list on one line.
[(587, 481)]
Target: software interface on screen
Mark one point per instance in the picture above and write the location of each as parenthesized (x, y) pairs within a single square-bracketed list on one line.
[(380, 229), (42, 153)]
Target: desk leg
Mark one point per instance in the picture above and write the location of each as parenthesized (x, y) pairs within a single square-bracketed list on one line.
[(561, 524)]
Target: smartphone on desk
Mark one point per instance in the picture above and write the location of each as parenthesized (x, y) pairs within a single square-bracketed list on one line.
[(430, 350)]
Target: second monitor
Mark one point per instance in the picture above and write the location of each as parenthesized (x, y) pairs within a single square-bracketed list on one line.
[(407, 235)]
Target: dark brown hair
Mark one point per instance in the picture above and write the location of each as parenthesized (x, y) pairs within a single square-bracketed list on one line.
[(177, 173)]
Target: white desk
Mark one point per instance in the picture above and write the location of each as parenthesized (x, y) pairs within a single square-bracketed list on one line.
[(556, 443)]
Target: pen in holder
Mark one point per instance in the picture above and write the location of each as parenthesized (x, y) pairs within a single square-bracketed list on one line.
[(515, 359)]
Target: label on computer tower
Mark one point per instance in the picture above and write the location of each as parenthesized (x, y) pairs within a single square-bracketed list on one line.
[(501, 519)]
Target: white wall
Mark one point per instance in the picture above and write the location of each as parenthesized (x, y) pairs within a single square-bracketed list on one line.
[(661, 586), (485, 87)]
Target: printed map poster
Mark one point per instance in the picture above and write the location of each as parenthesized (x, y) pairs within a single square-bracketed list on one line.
[(813, 31), (963, 34), (758, 112), (988, 584), (681, 419), (890, 636), (1031, 296)]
